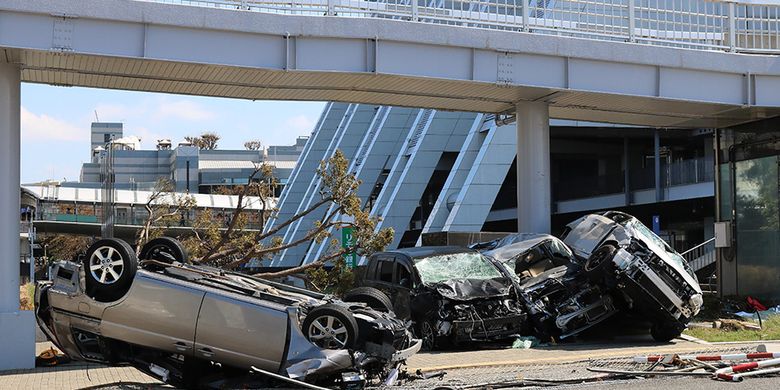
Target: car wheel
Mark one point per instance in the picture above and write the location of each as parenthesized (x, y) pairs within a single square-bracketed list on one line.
[(599, 264), (665, 332), (165, 250), (331, 326), (372, 297), (427, 335), (110, 265)]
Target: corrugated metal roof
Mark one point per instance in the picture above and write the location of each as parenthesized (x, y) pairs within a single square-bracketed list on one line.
[(225, 164), (282, 164), (90, 195)]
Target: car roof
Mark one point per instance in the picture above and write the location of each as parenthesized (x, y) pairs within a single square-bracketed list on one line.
[(511, 250), (427, 251)]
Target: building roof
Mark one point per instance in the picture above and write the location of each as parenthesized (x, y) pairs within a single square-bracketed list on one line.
[(225, 164), (242, 164), (128, 197)]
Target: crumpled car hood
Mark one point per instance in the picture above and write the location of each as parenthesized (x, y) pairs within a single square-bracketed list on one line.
[(469, 289)]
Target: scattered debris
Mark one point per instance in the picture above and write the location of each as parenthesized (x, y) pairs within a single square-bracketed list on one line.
[(526, 342), (729, 366), (734, 325), (50, 357)]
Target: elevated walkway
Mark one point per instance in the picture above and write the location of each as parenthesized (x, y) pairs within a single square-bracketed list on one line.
[(588, 60)]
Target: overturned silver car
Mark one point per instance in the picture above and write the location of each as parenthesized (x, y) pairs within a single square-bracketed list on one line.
[(185, 324)]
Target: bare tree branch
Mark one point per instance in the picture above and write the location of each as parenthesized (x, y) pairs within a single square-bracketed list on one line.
[(314, 264)]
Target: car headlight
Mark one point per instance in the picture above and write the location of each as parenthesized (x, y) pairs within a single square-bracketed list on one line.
[(696, 302)]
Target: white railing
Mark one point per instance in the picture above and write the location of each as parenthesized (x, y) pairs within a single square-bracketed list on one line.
[(701, 255), (751, 26)]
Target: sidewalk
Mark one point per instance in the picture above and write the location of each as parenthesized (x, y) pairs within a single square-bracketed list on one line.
[(79, 375), (76, 375), (562, 353)]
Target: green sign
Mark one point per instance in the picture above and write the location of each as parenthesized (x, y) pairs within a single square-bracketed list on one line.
[(348, 241)]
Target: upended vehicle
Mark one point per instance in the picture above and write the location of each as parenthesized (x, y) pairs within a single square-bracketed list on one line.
[(189, 325), (560, 301), (606, 263)]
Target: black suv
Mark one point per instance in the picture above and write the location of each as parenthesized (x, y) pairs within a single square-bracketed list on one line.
[(451, 295)]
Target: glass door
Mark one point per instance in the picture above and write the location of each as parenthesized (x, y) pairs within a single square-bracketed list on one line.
[(756, 200)]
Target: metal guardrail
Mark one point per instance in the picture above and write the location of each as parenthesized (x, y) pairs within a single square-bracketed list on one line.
[(748, 26), (701, 255)]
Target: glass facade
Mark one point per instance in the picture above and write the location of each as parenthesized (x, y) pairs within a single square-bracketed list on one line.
[(750, 199)]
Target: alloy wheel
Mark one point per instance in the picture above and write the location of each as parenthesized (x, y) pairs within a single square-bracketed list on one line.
[(106, 265), (328, 332)]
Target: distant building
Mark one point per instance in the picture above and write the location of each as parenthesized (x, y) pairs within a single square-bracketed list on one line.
[(193, 170), (103, 132)]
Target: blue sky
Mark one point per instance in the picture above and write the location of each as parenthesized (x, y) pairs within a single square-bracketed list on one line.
[(56, 123)]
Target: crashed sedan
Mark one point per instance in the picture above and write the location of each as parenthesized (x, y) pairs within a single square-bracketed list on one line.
[(451, 295), (559, 300), (649, 277), (184, 324)]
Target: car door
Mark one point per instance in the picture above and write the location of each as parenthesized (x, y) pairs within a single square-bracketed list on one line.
[(387, 280), (241, 331), (403, 282), (157, 312)]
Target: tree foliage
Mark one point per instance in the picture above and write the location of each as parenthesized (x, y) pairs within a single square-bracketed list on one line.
[(64, 246), (233, 238), (206, 141), (164, 208), (253, 145), (226, 242)]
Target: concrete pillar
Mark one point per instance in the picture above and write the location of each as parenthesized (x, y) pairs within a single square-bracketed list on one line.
[(17, 328), (533, 167), (657, 163), (626, 172)]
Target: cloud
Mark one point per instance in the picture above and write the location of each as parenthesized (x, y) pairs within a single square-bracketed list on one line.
[(300, 124), (156, 110), (183, 109), (46, 128)]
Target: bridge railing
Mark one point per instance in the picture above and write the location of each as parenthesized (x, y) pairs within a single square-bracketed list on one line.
[(747, 26)]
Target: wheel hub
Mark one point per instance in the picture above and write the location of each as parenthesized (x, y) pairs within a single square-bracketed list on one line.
[(106, 265), (328, 332)]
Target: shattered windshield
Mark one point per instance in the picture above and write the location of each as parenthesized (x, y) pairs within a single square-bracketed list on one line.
[(648, 234), (436, 269)]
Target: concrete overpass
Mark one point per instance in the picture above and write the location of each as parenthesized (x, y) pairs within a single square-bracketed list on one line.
[(612, 62)]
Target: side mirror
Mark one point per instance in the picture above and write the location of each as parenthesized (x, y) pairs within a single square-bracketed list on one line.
[(404, 282)]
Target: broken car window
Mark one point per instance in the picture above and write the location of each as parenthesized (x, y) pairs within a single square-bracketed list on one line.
[(386, 271), (648, 234), (436, 269)]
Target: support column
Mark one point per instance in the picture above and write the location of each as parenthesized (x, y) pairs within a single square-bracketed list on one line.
[(17, 328), (626, 172), (533, 167), (657, 163)]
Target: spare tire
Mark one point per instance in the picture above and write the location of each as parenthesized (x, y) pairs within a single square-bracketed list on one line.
[(372, 297), (599, 264), (109, 267), (331, 326), (165, 250)]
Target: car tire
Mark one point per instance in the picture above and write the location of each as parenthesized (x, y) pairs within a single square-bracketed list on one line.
[(372, 297), (109, 267), (165, 250), (331, 326), (426, 333), (665, 332), (598, 267)]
